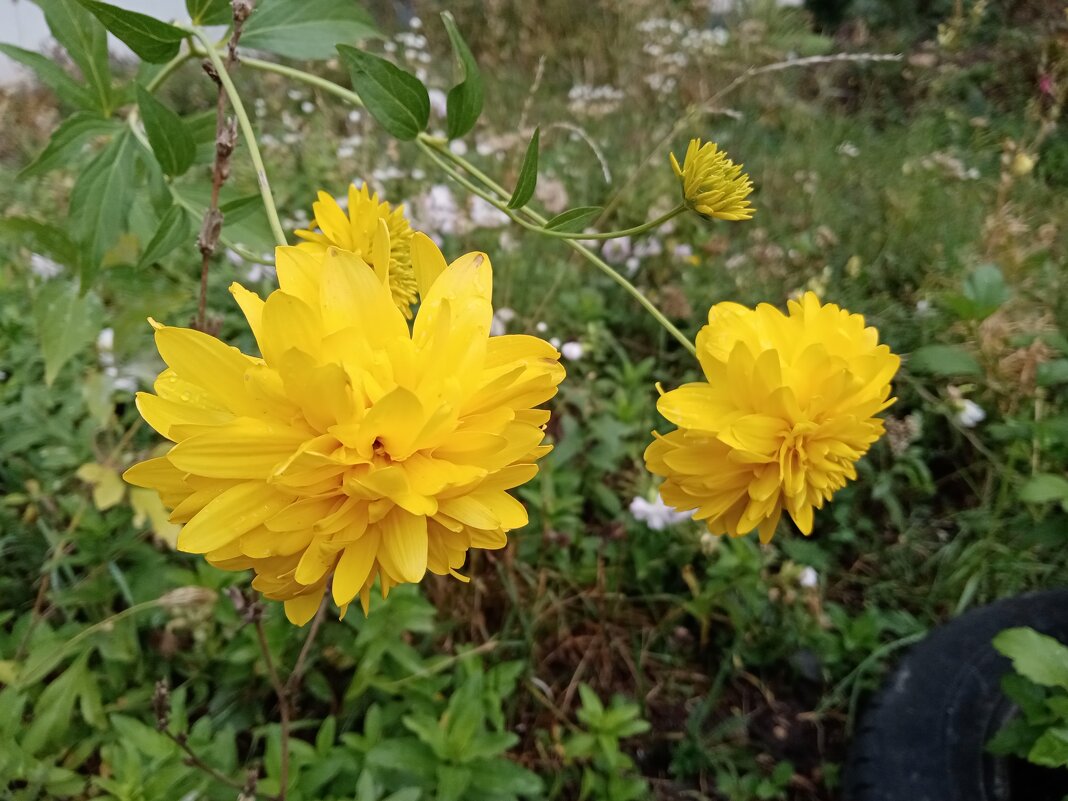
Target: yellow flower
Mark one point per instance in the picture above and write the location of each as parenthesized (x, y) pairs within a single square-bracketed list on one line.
[(788, 408), (354, 448), (713, 185), (358, 232)]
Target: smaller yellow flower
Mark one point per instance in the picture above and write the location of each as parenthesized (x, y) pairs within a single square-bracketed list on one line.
[(713, 185), (358, 232), (787, 407)]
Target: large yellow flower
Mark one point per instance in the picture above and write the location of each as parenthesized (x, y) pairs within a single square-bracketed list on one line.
[(788, 408), (357, 231), (712, 184), (354, 448)]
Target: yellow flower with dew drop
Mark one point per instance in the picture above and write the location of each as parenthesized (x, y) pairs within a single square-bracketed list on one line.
[(787, 407), (712, 184), (354, 447), (359, 230)]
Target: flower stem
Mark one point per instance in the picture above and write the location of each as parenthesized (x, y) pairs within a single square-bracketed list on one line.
[(579, 248), (437, 150), (248, 133), (637, 229)]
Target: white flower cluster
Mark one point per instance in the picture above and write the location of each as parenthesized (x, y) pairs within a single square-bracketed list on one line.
[(656, 514), (672, 46), (593, 101), (944, 162)]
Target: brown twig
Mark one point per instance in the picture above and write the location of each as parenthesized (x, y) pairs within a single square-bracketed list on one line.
[(293, 682), (225, 142), (161, 703)]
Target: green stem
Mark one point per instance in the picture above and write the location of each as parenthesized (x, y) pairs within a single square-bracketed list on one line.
[(243, 252), (637, 229), (248, 133), (168, 69), (582, 250), (440, 154)]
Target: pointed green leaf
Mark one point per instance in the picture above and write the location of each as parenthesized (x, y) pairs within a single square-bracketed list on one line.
[(148, 37), (1044, 488), (307, 29), (397, 99), (66, 323), (1035, 656), (528, 175), (1051, 749), (42, 238), (209, 12), (174, 230), (53, 76), (943, 360), (67, 140), (464, 102), (100, 202), (170, 139), (86, 41), (573, 219)]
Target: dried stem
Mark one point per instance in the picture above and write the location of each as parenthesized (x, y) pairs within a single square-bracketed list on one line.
[(293, 682), (225, 141)]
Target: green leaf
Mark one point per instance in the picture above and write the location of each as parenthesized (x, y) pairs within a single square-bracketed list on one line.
[(210, 12), (502, 778), (573, 219), (1038, 657), (66, 323), (86, 41), (67, 140), (52, 75), (985, 288), (1044, 488), (148, 37), (174, 230), (1052, 373), (528, 175), (453, 781), (943, 360), (1051, 749), (397, 99), (100, 202), (307, 29), (54, 708), (170, 139), (41, 238), (464, 102)]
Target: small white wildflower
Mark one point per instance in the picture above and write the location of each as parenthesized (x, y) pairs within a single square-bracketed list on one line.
[(656, 514), (649, 247), (44, 267), (923, 306), (105, 340), (437, 102), (572, 351), (295, 94), (355, 116), (555, 342), (969, 414), (616, 250), (458, 146), (541, 327), (307, 107), (484, 214), (809, 578), (501, 318), (848, 149), (682, 251), (346, 152), (552, 194), (632, 264)]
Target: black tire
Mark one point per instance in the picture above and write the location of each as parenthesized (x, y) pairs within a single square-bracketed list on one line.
[(923, 736)]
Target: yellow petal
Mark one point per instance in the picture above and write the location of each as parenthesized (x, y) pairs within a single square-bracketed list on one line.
[(244, 448), (301, 609), (238, 509), (355, 566), (427, 262), (404, 545)]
